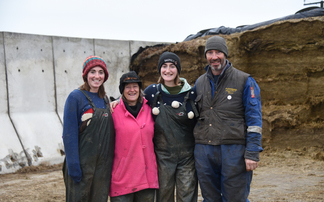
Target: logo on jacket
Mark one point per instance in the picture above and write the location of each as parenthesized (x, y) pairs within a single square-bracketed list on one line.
[(252, 92), (230, 90), (180, 113), (105, 114)]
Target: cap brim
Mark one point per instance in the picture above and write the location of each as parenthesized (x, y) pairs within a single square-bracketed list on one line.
[(132, 81)]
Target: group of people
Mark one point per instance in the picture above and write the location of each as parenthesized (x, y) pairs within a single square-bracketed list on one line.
[(156, 144)]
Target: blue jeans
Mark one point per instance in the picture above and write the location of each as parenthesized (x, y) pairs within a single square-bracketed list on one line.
[(222, 173)]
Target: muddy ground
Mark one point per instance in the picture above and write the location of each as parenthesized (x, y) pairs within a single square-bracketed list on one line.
[(286, 59), (285, 175)]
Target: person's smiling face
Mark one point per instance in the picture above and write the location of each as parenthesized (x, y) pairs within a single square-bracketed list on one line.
[(131, 93), (169, 73), (216, 60), (95, 78)]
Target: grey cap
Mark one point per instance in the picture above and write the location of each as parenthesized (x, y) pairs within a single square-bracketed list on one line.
[(216, 43)]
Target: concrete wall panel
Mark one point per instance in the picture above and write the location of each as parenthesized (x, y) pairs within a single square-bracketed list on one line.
[(116, 55), (39, 72), (3, 82), (32, 105), (9, 144), (69, 55)]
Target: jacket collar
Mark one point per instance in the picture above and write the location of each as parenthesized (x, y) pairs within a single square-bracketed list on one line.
[(186, 86)]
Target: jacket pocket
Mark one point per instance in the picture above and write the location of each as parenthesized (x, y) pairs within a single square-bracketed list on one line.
[(118, 170), (253, 101), (234, 129), (200, 130)]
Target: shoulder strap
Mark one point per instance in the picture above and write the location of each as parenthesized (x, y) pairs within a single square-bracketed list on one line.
[(186, 98), (193, 106), (88, 98), (106, 99), (191, 103), (156, 96)]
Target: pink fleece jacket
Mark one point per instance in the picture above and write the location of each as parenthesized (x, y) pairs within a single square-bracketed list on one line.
[(134, 166)]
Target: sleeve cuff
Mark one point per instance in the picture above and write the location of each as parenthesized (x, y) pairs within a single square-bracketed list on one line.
[(252, 155)]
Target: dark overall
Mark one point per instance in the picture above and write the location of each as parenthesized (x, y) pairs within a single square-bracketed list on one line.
[(96, 151), (145, 195), (174, 147)]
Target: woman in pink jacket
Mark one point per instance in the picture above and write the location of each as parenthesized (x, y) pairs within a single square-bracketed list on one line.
[(134, 173)]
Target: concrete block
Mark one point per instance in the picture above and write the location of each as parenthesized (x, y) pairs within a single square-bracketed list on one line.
[(31, 89), (9, 140), (117, 56), (69, 55)]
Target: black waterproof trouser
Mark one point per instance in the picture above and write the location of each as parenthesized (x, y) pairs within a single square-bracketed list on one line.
[(96, 151), (174, 148), (145, 195)]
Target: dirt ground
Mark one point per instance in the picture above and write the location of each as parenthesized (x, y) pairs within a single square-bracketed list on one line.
[(287, 175)]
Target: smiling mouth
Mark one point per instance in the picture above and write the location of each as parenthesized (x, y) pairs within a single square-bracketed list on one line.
[(215, 61), (132, 94)]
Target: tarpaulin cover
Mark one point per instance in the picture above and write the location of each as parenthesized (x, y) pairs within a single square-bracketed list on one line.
[(307, 12)]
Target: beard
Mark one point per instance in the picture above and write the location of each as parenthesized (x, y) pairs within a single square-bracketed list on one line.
[(219, 67)]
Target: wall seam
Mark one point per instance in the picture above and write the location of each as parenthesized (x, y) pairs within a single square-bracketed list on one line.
[(55, 88), (29, 160)]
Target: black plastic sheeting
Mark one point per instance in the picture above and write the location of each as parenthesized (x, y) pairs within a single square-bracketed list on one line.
[(308, 12)]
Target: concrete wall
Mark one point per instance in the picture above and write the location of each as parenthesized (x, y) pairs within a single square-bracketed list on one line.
[(36, 75)]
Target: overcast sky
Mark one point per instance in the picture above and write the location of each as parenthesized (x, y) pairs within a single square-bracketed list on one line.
[(143, 20)]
